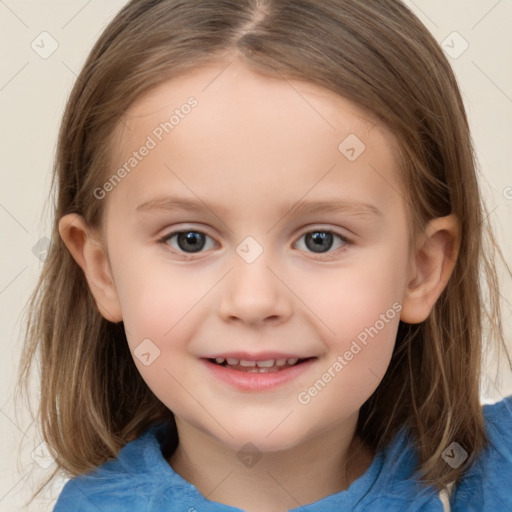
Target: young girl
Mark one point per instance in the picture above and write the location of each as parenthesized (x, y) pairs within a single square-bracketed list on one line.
[(257, 370)]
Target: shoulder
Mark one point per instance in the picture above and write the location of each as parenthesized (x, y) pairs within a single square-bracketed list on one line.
[(487, 484), (130, 480)]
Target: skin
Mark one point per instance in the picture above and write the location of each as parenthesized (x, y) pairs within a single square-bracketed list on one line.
[(253, 147)]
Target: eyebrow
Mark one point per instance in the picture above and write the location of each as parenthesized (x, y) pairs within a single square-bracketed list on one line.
[(173, 203)]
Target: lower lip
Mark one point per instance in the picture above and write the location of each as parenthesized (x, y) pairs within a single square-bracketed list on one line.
[(253, 381)]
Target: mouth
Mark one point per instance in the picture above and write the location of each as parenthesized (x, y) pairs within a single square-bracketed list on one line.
[(258, 366), (257, 373)]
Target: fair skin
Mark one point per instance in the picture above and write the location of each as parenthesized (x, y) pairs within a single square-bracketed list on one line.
[(257, 147)]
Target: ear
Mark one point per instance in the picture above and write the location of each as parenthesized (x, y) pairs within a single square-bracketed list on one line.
[(431, 265), (89, 252)]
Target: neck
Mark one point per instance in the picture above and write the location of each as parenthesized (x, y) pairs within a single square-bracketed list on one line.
[(270, 481)]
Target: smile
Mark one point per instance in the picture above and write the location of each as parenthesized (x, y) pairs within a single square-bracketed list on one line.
[(257, 374), (268, 366)]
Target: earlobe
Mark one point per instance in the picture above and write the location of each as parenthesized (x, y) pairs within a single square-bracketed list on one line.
[(432, 264), (89, 252)]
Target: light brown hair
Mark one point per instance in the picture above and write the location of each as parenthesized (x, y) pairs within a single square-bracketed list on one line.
[(375, 53)]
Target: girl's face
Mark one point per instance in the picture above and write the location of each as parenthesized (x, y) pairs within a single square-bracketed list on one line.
[(261, 220)]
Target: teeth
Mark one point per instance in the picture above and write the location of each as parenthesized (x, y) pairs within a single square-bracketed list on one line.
[(265, 364), (243, 362), (255, 366)]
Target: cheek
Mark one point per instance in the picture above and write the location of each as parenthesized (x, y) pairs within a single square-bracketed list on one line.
[(155, 296), (159, 318), (357, 361), (354, 298)]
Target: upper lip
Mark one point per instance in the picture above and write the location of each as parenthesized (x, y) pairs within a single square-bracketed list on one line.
[(260, 356)]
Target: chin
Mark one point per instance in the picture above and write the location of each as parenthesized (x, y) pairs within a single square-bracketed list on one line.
[(271, 436)]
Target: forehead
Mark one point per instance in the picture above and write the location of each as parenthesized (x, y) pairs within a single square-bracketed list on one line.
[(255, 133), (229, 86)]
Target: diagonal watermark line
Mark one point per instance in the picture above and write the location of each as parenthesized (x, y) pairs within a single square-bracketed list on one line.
[(12, 280), (14, 76), (486, 14), (218, 485), (489, 214), (300, 299), (29, 425), (24, 434), (199, 301), (280, 423), (332, 167), (217, 75), (14, 218), (424, 13), (398, 193), (75, 15), (278, 483), (298, 202), (407, 201), (375, 375), (229, 229), (492, 81), (119, 117), (199, 403), (69, 68), (78, 486), (100, 305), (320, 115), (20, 480), (3, 3)]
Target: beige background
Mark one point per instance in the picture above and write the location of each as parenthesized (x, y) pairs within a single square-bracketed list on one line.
[(33, 91)]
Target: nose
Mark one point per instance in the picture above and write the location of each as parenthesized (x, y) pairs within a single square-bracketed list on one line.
[(255, 293)]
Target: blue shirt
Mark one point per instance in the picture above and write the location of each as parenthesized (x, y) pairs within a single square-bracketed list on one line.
[(141, 480)]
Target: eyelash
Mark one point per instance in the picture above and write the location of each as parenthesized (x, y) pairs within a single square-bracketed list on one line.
[(189, 256)]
